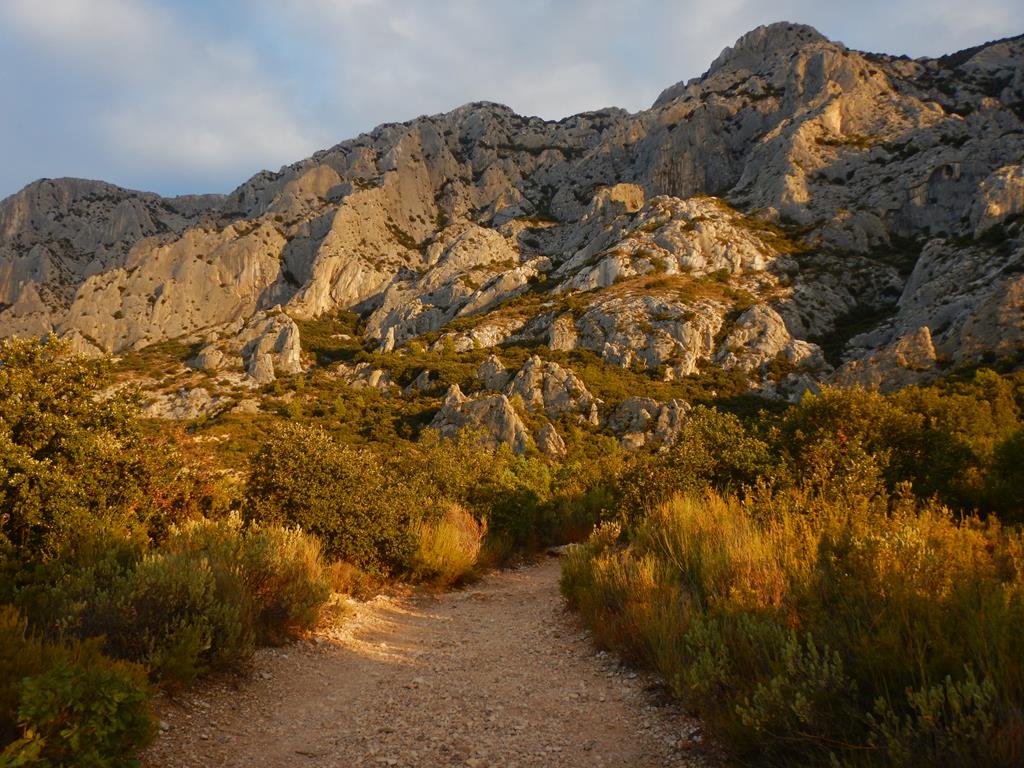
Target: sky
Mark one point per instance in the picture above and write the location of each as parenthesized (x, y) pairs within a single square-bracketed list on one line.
[(192, 96)]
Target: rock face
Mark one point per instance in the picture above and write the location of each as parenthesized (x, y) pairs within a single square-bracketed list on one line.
[(265, 345), (492, 417), (548, 388), (747, 215), (365, 376), (641, 421), (183, 405)]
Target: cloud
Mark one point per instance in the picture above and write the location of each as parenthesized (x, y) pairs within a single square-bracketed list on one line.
[(189, 95), (171, 97), (106, 35)]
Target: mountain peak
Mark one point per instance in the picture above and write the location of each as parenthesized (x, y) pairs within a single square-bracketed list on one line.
[(759, 44)]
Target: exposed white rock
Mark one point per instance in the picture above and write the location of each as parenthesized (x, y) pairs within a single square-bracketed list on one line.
[(446, 217), (759, 337), (423, 382), (184, 405), (492, 417), (493, 374), (488, 334), (549, 442), (365, 376), (549, 388), (903, 362), (652, 329), (642, 421), (1000, 196), (968, 300), (562, 336)]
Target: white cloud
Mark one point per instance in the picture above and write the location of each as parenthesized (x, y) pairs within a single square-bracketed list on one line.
[(107, 35), (215, 89), (172, 97)]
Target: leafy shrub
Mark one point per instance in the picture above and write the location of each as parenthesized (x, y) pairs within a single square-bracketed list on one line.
[(449, 547), (177, 614), (67, 704), (344, 495), (284, 575), (73, 465), (713, 449), (810, 628)]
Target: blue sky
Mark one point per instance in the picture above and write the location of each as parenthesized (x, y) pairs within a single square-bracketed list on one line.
[(197, 95)]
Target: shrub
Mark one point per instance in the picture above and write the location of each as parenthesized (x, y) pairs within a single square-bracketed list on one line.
[(448, 548), (177, 614), (284, 574), (713, 449), (74, 465), (343, 495), (810, 628), (67, 704)]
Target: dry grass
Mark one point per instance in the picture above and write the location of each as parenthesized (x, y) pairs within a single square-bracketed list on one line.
[(449, 547), (860, 631)]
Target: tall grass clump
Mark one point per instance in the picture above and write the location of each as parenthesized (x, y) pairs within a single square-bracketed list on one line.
[(806, 630), (448, 548)]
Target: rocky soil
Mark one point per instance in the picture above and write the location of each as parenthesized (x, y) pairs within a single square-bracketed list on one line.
[(498, 674)]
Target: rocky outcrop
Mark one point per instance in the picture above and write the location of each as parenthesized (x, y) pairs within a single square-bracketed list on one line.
[(548, 388), (759, 338), (549, 442), (795, 175), (493, 374), (642, 421), (959, 303), (424, 382), (365, 376), (265, 346), (183, 405), (1000, 198), (491, 417)]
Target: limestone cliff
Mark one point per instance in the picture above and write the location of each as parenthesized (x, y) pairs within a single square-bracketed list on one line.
[(752, 218)]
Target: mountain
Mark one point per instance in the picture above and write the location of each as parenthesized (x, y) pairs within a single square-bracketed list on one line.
[(802, 212)]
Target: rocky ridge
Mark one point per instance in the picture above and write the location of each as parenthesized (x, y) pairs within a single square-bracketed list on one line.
[(753, 219)]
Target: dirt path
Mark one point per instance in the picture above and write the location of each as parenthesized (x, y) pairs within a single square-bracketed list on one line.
[(494, 675)]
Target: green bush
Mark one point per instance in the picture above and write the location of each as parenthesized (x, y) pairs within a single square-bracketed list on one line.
[(75, 466), (808, 628), (284, 575), (344, 495), (178, 614), (67, 704), (713, 449)]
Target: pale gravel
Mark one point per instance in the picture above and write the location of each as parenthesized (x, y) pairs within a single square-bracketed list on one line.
[(496, 674)]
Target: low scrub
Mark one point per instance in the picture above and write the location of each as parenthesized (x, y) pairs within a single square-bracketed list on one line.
[(448, 548), (346, 496), (861, 631), (66, 703)]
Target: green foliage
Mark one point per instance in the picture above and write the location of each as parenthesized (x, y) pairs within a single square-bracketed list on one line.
[(808, 628), (74, 466), (344, 495), (713, 449), (113, 544), (73, 705)]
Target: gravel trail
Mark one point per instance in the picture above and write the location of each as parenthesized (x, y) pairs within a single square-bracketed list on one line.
[(498, 674)]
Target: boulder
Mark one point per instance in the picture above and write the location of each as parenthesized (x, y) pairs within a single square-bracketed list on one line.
[(365, 376), (642, 421), (493, 374), (183, 405), (549, 388), (549, 442), (492, 417)]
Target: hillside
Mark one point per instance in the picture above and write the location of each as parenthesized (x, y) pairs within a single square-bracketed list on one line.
[(801, 213)]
